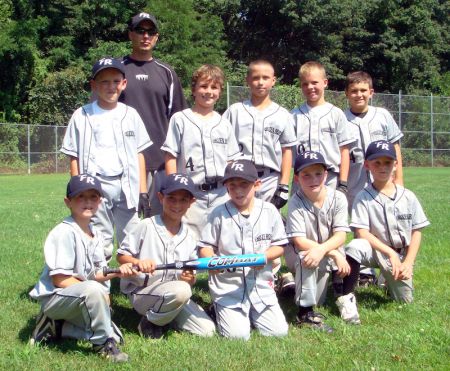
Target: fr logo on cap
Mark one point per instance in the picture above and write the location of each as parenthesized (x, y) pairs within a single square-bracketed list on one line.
[(380, 148), (81, 183), (244, 169), (176, 182), (140, 17), (308, 158), (105, 63)]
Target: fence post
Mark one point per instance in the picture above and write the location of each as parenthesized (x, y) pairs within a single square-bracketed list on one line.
[(400, 109), (432, 130), (29, 149), (56, 149)]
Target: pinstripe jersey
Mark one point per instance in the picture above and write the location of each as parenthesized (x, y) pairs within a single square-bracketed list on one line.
[(69, 251), (317, 224), (376, 124), (391, 220), (262, 134), (201, 147), (228, 233), (322, 129), (151, 240)]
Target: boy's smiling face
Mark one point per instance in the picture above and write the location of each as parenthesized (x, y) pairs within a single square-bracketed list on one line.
[(312, 179), (108, 84), (206, 93), (242, 192), (381, 168), (358, 95), (313, 86), (175, 204), (84, 205)]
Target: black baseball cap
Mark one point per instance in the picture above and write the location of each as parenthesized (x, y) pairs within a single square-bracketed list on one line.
[(140, 17), (244, 169), (105, 63), (308, 158), (81, 183), (380, 148), (175, 182)]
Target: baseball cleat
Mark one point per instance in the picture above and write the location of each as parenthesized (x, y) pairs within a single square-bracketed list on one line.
[(315, 321), (150, 330), (111, 351), (286, 285), (366, 280), (46, 330), (348, 309)]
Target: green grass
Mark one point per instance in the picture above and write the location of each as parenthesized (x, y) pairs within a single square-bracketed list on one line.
[(393, 336)]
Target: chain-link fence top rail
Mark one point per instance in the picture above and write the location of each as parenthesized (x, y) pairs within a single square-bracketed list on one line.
[(424, 120)]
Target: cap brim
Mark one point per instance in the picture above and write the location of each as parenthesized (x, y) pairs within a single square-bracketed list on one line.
[(378, 155)]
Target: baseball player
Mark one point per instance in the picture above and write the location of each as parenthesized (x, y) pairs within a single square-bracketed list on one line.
[(265, 133), (244, 297), (155, 91), (164, 297), (388, 220), (71, 290), (317, 226), (321, 126), (200, 143), (106, 138)]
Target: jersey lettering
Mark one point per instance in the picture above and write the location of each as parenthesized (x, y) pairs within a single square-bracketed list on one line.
[(190, 164)]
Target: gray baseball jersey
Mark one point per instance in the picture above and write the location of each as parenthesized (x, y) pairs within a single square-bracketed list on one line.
[(131, 138), (262, 134), (376, 124), (151, 240), (69, 251), (316, 224), (391, 220), (202, 147), (228, 233), (322, 129)]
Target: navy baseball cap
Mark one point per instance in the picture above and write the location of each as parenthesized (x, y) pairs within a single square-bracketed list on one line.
[(140, 17), (380, 148), (176, 182), (244, 169), (105, 63), (308, 158), (81, 183)]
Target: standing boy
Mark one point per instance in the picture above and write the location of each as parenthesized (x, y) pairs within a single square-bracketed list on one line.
[(74, 299), (367, 124), (388, 220), (200, 143), (265, 133), (321, 126), (164, 297), (106, 139), (317, 226), (244, 297)]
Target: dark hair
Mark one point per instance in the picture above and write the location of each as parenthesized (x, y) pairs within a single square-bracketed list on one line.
[(358, 77)]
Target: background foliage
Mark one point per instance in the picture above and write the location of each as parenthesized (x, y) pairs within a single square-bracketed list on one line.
[(48, 47)]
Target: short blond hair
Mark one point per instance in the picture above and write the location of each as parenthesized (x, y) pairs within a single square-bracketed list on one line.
[(258, 62), (307, 67), (209, 72)]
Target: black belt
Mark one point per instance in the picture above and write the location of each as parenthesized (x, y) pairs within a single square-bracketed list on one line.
[(261, 173), (207, 186), (109, 176)]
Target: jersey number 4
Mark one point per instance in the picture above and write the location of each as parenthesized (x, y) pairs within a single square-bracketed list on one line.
[(190, 164)]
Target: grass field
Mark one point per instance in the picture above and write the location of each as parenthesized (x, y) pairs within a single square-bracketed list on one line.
[(392, 336)]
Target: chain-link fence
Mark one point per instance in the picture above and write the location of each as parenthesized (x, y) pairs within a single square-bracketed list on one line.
[(424, 120)]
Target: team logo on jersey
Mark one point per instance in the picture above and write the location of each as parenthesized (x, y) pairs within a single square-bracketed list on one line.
[(142, 77), (220, 140), (129, 133), (263, 237), (329, 130), (404, 217), (379, 132), (273, 130)]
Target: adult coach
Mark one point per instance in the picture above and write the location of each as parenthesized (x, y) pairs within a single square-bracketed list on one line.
[(154, 90)]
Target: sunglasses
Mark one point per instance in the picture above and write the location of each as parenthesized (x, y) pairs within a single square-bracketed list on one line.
[(142, 31)]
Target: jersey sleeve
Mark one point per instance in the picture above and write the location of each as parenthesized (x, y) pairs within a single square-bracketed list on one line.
[(360, 212), (172, 143), (60, 251), (340, 217), (179, 101), (289, 137), (419, 219), (279, 237), (70, 144), (131, 245), (343, 134), (143, 139), (393, 131), (232, 147), (295, 221), (211, 232)]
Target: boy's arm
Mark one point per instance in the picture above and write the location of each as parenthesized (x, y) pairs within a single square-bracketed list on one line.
[(142, 173), (407, 266), (399, 170), (274, 252), (205, 252), (286, 165), (74, 169), (63, 280), (345, 164), (313, 257), (171, 163), (381, 247)]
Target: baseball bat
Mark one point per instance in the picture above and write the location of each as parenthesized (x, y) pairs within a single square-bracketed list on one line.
[(215, 262)]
